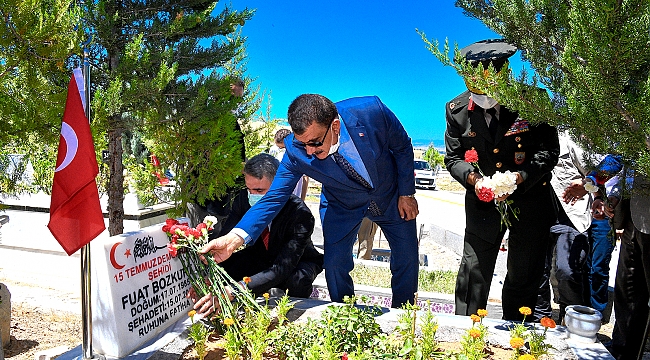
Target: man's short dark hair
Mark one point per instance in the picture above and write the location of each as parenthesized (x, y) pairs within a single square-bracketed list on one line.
[(281, 134), (262, 166), (307, 108)]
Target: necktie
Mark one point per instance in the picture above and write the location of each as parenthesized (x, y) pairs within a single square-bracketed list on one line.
[(354, 175), (349, 170), (494, 122), (266, 234)]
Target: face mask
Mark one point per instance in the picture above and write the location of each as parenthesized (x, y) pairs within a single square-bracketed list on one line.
[(484, 101), (334, 148), (254, 198)]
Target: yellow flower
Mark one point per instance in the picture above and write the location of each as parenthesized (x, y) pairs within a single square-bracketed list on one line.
[(516, 342), (526, 357), (524, 310), (475, 333), (191, 313), (475, 318), (247, 279), (266, 296), (228, 321), (482, 312)]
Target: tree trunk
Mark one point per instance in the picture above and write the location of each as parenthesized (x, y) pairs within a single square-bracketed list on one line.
[(115, 182)]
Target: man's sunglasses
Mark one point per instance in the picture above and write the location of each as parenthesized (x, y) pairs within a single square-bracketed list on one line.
[(313, 144)]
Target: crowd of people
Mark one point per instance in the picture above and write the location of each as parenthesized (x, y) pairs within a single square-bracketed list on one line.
[(555, 207)]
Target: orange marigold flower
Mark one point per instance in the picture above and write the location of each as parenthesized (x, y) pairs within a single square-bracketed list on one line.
[(228, 321), (475, 333), (475, 318), (526, 357), (547, 322), (191, 313), (516, 342), (247, 279), (266, 296), (525, 310), (482, 312)]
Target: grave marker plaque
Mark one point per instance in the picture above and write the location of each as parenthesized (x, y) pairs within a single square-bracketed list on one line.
[(138, 290)]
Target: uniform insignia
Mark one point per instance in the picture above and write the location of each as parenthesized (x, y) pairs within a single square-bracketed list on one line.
[(471, 134), (518, 139), (518, 127), (452, 106), (520, 157)]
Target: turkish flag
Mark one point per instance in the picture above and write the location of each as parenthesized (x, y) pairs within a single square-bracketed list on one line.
[(75, 214)]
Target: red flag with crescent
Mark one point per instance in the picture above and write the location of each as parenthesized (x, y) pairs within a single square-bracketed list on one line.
[(75, 214)]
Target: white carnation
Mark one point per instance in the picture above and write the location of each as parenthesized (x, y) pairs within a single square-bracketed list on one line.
[(590, 187), (487, 182), (505, 183), (210, 220)]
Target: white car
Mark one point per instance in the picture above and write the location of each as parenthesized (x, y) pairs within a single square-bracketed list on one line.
[(424, 175)]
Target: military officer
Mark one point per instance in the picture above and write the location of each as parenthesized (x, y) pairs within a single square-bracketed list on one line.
[(503, 141)]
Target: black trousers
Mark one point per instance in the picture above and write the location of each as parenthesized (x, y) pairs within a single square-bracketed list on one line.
[(631, 293), (526, 254)]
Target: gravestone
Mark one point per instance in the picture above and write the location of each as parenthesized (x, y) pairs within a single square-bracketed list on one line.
[(5, 315), (140, 290)]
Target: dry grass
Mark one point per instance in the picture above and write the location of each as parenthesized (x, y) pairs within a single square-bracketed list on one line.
[(34, 330)]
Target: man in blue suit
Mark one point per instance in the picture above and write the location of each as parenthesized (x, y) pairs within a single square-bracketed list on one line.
[(360, 152)]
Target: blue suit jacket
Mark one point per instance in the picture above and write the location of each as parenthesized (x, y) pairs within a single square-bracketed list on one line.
[(386, 152)]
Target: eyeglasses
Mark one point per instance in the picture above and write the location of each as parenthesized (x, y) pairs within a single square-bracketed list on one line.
[(313, 144)]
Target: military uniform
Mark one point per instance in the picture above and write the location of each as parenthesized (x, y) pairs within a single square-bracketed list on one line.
[(531, 150)]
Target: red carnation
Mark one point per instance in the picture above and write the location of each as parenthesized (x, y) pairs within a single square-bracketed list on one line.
[(471, 156), (201, 226), (485, 194), (172, 249)]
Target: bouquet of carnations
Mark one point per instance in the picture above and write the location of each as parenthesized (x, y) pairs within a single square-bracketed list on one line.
[(495, 186), (205, 275)]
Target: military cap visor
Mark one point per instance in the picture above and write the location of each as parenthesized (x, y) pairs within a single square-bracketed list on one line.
[(495, 51)]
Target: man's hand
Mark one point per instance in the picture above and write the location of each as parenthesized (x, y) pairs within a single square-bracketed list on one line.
[(408, 207), (222, 247), (208, 304), (598, 209), (203, 306), (574, 192), (612, 202)]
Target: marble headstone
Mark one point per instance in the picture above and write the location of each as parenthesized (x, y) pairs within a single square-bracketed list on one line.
[(140, 290)]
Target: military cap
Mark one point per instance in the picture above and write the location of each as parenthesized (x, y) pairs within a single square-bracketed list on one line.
[(495, 51)]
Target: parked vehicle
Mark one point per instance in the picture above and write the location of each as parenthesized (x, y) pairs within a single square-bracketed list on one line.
[(425, 176)]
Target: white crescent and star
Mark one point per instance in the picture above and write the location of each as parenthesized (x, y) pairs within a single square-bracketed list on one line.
[(71, 142)]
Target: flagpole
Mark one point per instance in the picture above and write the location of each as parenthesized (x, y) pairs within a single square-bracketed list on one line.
[(86, 306)]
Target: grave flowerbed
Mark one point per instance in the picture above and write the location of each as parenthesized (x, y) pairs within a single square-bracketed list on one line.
[(349, 331), (246, 329)]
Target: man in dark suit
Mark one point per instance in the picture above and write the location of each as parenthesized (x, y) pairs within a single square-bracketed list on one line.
[(632, 287), (284, 256), (363, 157), (503, 141)]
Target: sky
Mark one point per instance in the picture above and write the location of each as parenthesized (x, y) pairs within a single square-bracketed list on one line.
[(342, 49)]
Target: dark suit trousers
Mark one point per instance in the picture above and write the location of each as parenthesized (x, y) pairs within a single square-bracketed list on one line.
[(631, 293), (527, 246), (404, 261)]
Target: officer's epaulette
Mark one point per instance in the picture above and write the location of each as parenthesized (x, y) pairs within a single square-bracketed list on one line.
[(459, 102)]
